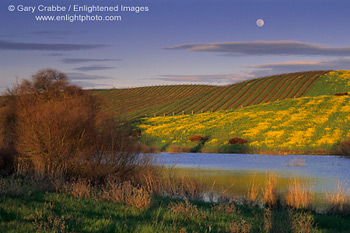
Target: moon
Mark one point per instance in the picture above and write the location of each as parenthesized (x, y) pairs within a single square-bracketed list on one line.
[(260, 22)]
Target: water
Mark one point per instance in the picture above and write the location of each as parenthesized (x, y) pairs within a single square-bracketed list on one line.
[(324, 171)]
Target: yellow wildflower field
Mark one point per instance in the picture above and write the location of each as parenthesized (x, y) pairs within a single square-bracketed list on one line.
[(308, 123)]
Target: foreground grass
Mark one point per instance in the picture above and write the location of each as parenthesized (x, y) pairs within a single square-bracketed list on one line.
[(38, 211)]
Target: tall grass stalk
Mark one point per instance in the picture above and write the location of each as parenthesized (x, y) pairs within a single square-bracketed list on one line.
[(299, 194), (339, 201), (269, 192)]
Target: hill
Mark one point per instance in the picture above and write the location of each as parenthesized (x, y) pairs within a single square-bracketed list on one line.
[(315, 123), (295, 113), (191, 99), (307, 124)]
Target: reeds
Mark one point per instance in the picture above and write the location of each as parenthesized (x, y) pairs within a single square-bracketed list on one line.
[(253, 192), (299, 194), (269, 192), (339, 201)]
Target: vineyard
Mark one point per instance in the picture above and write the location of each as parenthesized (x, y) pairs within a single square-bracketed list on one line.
[(305, 111), (191, 99)]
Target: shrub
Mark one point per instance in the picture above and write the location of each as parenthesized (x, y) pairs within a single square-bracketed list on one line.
[(344, 148), (237, 140), (59, 132), (196, 138), (177, 149)]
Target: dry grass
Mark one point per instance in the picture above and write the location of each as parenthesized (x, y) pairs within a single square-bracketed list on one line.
[(239, 226), (185, 208), (253, 192), (80, 189), (128, 194), (339, 201), (298, 195), (53, 224), (303, 223), (226, 207), (181, 187), (267, 221), (13, 187), (269, 192)]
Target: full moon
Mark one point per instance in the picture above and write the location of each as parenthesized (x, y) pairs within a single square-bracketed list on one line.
[(260, 22)]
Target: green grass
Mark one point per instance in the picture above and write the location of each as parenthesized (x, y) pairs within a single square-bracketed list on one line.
[(57, 212)]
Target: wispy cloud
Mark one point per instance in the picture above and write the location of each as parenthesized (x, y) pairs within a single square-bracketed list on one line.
[(88, 81), (75, 76), (92, 85), (213, 78), (56, 54), (291, 66), (262, 70), (266, 48), (94, 67), (84, 60), (8, 45)]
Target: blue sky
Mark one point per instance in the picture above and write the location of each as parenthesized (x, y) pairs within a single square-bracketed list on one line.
[(176, 41)]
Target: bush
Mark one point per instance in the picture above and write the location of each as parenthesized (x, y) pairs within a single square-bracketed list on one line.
[(344, 148), (196, 138), (59, 131), (177, 149), (237, 140)]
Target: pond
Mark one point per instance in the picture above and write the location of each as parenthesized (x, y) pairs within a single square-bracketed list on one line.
[(323, 172)]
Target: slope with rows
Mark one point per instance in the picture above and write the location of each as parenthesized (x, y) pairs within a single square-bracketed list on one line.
[(191, 99)]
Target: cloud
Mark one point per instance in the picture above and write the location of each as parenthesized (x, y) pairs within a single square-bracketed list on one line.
[(293, 66), (81, 76), (83, 60), (262, 70), (89, 81), (56, 54), (213, 78), (8, 45), (266, 48), (94, 67), (92, 85)]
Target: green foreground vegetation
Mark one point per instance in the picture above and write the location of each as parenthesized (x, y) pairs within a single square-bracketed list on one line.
[(24, 208)]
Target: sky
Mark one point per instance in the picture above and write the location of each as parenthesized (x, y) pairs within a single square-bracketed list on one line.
[(214, 42)]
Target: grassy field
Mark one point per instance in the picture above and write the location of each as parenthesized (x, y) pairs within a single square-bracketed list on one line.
[(26, 208)]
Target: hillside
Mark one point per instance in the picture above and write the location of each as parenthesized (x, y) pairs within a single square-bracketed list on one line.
[(315, 123), (297, 112), (303, 124), (188, 99)]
